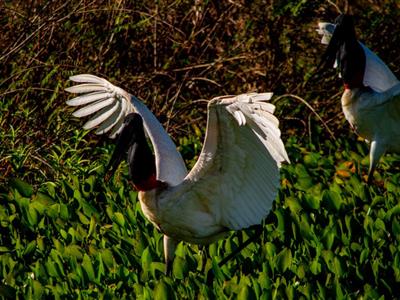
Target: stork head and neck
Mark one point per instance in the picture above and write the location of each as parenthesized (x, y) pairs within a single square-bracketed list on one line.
[(345, 48), (132, 144)]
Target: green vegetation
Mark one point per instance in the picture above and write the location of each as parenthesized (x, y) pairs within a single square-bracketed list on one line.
[(64, 233)]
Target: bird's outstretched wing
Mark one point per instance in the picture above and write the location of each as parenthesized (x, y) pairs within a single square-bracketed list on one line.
[(377, 74), (109, 105), (236, 177)]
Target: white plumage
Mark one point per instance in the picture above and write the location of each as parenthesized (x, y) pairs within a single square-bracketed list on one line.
[(372, 107), (235, 180)]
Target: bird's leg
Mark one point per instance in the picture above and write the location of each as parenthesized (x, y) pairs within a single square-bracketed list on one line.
[(169, 253), (251, 239), (375, 153)]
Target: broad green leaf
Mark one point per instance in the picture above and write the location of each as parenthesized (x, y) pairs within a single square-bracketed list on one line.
[(246, 293), (279, 213), (180, 267), (293, 205), (24, 188), (88, 267), (146, 259), (312, 201), (30, 247), (315, 267), (332, 199), (38, 289), (284, 260), (73, 251), (92, 226), (119, 219), (32, 215), (162, 291), (217, 270)]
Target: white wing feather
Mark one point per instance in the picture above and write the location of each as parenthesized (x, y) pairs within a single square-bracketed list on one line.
[(236, 177), (111, 104), (377, 74)]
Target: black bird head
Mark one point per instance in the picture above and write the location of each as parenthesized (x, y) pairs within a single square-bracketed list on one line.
[(132, 145), (344, 47)]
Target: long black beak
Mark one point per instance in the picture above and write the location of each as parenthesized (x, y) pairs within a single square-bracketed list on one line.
[(337, 39), (126, 139)]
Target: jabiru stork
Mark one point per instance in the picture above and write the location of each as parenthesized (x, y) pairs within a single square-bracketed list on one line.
[(233, 183), (371, 97)]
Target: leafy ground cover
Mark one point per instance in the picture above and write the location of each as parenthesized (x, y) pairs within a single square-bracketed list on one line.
[(328, 236), (64, 233)]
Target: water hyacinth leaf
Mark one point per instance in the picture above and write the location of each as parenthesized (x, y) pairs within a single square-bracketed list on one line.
[(293, 205), (332, 199), (379, 224), (305, 228), (213, 250), (328, 258), (74, 251), (312, 201), (89, 209), (88, 267), (38, 290), (56, 257), (328, 238), (315, 267), (395, 211), (300, 271), (131, 215), (84, 220), (146, 259), (281, 219), (180, 267), (304, 181), (270, 249), (162, 291), (364, 255), (23, 188), (107, 257), (311, 160), (31, 247), (396, 228), (92, 226), (32, 215), (284, 260), (256, 288), (119, 219), (264, 280), (246, 293), (51, 268), (157, 269), (217, 270), (338, 290), (4, 249)]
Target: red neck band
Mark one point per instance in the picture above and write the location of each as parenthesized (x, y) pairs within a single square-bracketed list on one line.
[(148, 184)]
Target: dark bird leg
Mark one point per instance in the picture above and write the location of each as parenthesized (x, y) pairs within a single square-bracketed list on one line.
[(253, 238)]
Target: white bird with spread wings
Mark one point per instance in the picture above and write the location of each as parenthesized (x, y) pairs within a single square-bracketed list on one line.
[(232, 185)]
